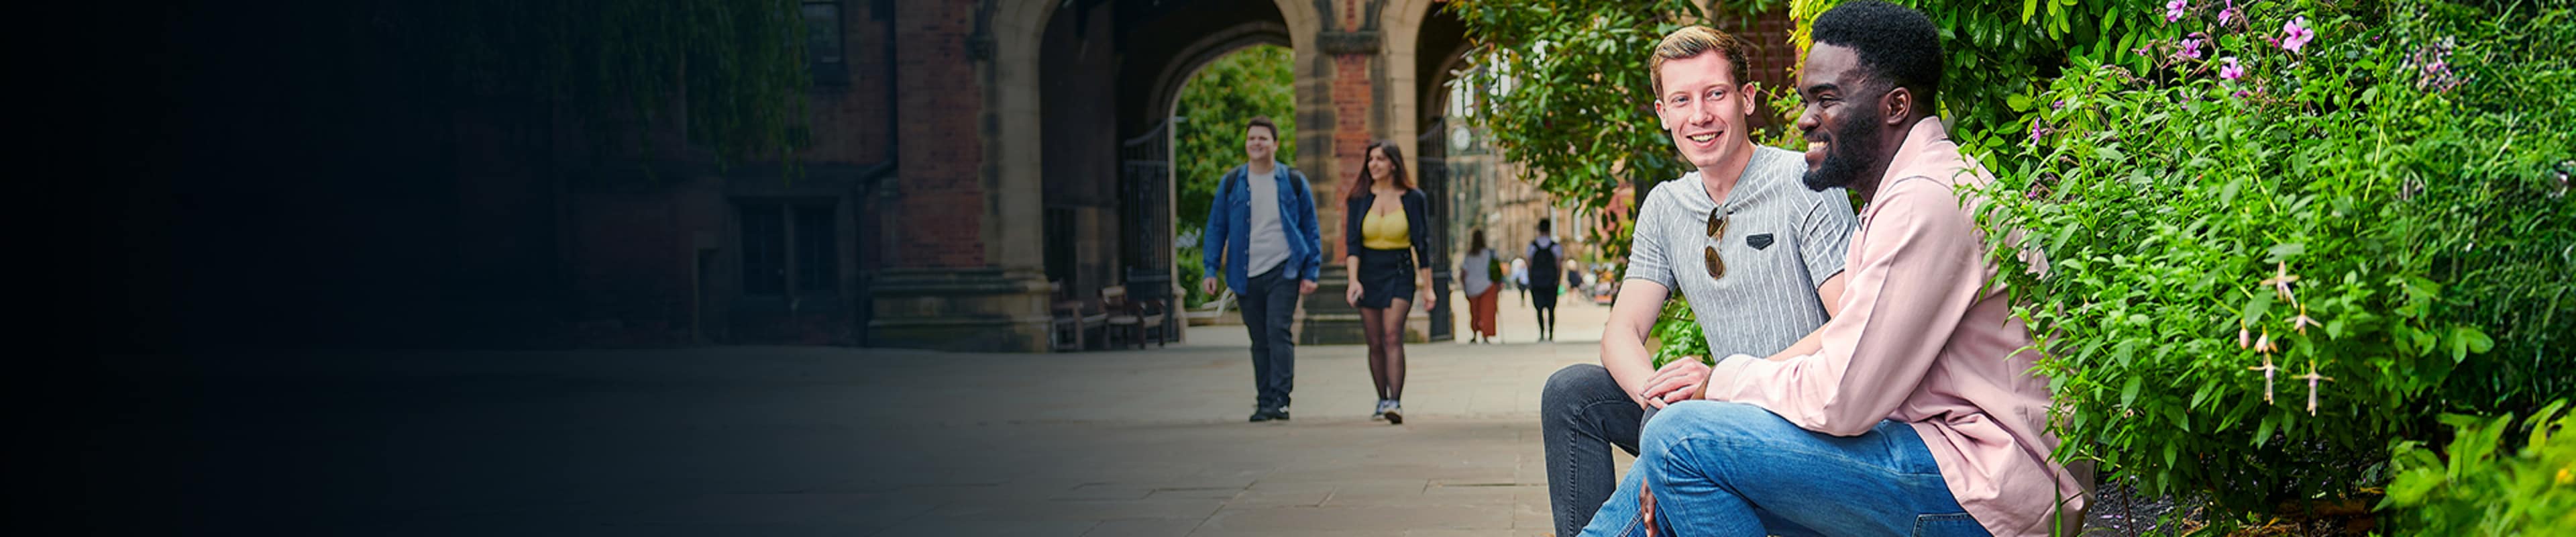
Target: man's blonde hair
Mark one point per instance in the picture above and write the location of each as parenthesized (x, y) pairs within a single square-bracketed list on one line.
[(1694, 40)]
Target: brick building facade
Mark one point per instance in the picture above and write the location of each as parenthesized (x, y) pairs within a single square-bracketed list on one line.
[(972, 163)]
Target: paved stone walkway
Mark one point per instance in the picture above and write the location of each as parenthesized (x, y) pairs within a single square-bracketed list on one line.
[(835, 441)]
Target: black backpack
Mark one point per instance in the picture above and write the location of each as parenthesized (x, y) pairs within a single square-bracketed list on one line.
[(1544, 268)]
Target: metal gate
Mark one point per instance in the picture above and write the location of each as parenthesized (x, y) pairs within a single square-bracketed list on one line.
[(1145, 183), (1432, 176)]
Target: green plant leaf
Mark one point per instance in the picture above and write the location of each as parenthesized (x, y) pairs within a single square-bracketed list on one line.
[(2476, 341), (2283, 252)]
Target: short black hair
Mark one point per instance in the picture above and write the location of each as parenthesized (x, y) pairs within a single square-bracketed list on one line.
[(1543, 226), (1895, 44), (1263, 122)]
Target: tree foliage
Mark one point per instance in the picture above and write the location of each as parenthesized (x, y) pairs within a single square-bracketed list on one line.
[(1573, 102), (1214, 104)]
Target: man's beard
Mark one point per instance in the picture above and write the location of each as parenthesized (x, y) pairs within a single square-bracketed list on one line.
[(1852, 146)]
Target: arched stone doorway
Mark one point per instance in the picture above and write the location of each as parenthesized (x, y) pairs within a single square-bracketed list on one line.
[(1074, 90)]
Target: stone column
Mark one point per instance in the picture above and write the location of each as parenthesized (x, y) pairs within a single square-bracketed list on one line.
[(1350, 73), (963, 263)]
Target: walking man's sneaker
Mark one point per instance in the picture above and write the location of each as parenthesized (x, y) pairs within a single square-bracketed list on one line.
[(1261, 415)]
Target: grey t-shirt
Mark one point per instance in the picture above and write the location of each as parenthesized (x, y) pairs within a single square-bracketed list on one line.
[(1781, 242), (1269, 245)]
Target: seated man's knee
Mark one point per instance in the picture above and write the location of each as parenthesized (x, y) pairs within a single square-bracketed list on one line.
[(1706, 419), (1576, 384)]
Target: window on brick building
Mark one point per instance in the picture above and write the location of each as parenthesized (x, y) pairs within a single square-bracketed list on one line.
[(789, 249), (764, 250), (817, 254), (1060, 241), (823, 50)]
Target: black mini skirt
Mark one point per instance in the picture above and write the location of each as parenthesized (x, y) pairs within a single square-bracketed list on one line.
[(1385, 275)]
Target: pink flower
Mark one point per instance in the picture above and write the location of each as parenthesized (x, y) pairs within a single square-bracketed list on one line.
[(2296, 34), (2191, 48), (2175, 8), (2230, 71), (2225, 14)]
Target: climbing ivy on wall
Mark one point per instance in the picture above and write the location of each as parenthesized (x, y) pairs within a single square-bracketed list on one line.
[(735, 69)]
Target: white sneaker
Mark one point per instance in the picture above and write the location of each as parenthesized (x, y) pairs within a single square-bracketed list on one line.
[(1380, 414), (1394, 413)]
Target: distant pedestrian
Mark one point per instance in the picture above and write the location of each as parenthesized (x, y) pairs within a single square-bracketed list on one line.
[(1520, 278), (1482, 272), (1261, 228), (1574, 278), (1546, 273)]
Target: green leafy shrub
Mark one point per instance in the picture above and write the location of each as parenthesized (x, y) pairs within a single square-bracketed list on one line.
[(2480, 485), (1677, 335), (2292, 235)]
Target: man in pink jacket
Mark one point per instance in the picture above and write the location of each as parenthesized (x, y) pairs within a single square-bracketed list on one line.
[(1914, 410)]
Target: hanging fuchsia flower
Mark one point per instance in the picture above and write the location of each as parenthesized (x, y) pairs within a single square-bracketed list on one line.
[(2175, 9), (2230, 71), (2191, 48), (2296, 34)]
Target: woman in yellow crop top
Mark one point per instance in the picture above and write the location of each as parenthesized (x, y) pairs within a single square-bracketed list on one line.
[(1386, 231)]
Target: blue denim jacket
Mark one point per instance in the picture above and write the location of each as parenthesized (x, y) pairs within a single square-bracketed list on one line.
[(1229, 227)]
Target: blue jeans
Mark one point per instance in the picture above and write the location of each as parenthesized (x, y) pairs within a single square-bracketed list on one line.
[(1269, 307), (1720, 468)]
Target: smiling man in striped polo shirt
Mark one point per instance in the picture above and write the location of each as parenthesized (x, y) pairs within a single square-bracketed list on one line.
[(1756, 253)]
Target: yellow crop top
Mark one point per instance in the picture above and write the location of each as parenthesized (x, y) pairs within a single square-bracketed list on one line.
[(1386, 231)]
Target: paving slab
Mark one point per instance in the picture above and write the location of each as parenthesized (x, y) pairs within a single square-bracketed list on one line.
[(831, 441)]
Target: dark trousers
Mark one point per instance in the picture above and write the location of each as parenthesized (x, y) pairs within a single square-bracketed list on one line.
[(1269, 307), (1582, 413), (1543, 300)]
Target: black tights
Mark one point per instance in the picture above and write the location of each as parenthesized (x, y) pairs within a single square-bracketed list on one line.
[(1384, 328)]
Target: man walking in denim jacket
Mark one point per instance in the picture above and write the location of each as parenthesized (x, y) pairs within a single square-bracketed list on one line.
[(1261, 227)]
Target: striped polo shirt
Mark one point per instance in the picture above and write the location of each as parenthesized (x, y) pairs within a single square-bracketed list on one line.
[(1781, 242)]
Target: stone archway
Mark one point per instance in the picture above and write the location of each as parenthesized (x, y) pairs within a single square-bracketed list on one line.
[(1169, 80), (1063, 215), (1150, 173), (1355, 67)]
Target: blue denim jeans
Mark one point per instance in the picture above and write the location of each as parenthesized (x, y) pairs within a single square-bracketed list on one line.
[(1720, 468)]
